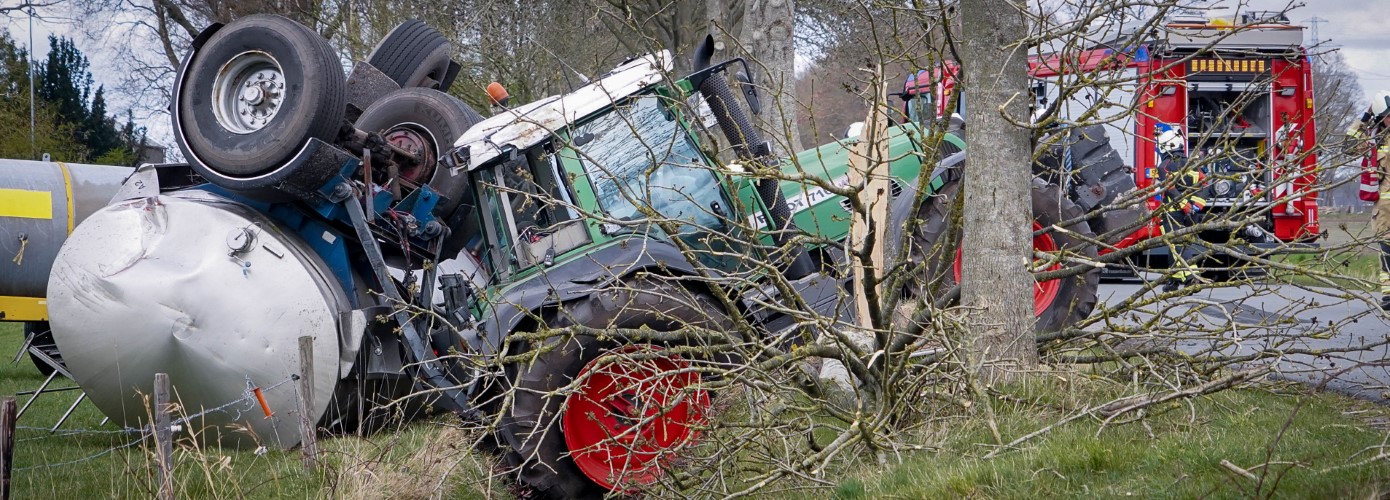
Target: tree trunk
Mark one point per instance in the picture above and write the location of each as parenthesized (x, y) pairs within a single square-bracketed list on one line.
[(996, 286), (768, 38), (714, 12)]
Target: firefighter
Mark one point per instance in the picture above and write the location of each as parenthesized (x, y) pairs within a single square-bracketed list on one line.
[(1374, 127), (1181, 184)]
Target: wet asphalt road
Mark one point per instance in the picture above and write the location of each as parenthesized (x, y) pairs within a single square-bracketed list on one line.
[(1254, 318)]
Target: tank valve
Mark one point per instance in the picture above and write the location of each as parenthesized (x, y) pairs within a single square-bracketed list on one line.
[(240, 240)]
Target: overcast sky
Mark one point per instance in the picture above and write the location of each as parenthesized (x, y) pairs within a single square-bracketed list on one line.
[(1359, 29)]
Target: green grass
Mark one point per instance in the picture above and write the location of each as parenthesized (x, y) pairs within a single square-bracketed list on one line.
[(1353, 270), (1176, 454), (422, 459)]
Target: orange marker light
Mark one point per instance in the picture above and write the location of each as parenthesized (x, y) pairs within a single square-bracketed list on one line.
[(497, 94)]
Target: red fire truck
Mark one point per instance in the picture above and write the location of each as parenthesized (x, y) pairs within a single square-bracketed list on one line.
[(1240, 91)]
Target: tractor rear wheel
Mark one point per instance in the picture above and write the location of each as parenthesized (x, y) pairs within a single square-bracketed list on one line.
[(1095, 176), (1057, 303), (591, 415)]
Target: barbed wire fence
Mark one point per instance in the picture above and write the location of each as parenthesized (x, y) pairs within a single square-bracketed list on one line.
[(175, 425)]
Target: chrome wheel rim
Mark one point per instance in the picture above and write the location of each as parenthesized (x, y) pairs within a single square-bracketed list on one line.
[(248, 92)]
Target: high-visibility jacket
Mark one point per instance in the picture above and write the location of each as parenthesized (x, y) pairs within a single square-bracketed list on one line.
[(1185, 184), (1374, 164)]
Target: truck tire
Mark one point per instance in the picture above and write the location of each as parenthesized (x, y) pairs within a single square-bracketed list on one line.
[(37, 334), (426, 121), (254, 95), (545, 446), (1058, 303), (414, 54)]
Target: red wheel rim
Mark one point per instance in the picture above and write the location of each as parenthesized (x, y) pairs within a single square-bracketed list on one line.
[(627, 415), (1044, 292)]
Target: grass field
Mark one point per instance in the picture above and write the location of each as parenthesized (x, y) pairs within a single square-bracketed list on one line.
[(1291, 443), (1299, 444), (424, 459), (1347, 252), (1348, 230), (1348, 269)]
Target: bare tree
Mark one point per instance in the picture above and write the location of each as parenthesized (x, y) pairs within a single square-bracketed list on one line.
[(1338, 102), (24, 6), (646, 25)]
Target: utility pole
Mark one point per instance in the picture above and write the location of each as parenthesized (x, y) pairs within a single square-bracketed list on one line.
[(1315, 21), (33, 151)]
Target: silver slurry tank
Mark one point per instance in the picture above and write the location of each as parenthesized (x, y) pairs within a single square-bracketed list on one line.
[(40, 203), (209, 291)]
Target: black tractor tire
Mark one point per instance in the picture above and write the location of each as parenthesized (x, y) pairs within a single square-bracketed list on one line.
[(1095, 175), (530, 429), (936, 241), (414, 54), (307, 76), (440, 119), (38, 334)]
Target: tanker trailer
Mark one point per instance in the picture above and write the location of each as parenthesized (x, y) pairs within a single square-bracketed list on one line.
[(313, 189), (40, 203)]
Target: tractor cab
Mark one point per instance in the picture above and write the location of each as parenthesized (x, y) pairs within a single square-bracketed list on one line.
[(555, 179)]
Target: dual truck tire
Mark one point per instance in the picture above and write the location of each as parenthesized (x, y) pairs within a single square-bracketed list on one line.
[(261, 88)]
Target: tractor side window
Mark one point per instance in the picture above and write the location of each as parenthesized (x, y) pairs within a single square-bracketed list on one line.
[(638, 156), (539, 207), (918, 107), (497, 222)]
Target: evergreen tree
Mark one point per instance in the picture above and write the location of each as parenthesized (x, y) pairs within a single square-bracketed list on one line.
[(71, 119), (14, 69), (98, 129), (51, 135), (65, 80)]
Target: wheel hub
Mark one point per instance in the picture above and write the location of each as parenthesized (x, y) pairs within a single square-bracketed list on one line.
[(634, 406), (248, 92), (1045, 292), (417, 142)]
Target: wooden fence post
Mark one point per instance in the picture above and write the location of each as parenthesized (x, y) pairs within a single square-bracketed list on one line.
[(308, 432), (163, 437), (7, 421)]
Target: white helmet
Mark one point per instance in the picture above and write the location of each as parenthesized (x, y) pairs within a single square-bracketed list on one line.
[(1170, 140), (1380, 104)]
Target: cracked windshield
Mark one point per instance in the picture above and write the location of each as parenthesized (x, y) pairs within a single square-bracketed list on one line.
[(640, 155)]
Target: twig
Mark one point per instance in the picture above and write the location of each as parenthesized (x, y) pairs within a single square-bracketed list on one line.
[(1236, 469)]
